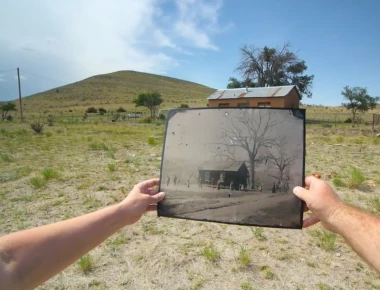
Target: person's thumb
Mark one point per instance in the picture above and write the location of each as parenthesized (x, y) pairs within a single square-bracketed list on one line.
[(157, 197), (302, 193)]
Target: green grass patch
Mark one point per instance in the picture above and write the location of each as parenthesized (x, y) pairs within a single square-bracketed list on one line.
[(85, 263), (258, 233), (6, 157), (325, 239), (98, 146), (339, 139), (211, 253), (356, 178), (245, 257), (245, 285), (37, 182), (338, 182), (110, 152), (49, 173), (267, 272), (152, 141), (375, 201), (111, 167)]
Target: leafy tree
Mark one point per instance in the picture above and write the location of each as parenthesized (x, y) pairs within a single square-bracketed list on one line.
[(234, 83), (149, 100), (6, 108), (358, 100), (262, 67)]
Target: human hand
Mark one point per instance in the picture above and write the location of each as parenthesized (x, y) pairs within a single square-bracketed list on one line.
[(142, 198), (321, 200)]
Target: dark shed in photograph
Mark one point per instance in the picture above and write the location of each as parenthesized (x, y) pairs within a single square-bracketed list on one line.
[(234, 166)]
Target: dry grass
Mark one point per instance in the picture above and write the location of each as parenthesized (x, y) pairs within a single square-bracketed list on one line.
[(162, 253)]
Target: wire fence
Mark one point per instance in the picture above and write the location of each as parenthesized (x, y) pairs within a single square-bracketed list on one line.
[(312, 118)]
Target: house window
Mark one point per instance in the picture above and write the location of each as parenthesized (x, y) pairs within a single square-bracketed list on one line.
[(243, 105), (264, 104), (224, 105), (207, 176)]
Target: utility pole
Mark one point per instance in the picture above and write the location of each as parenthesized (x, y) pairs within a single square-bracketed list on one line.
[(19, 94)]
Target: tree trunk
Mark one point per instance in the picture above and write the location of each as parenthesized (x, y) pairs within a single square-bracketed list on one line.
[(281, 173), (252, 175)]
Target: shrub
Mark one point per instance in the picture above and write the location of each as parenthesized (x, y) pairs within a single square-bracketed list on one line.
[(356, 179), (348, 120), (48, 134), (91, 110), (50, 120), (161, 117), (102, 111), (148, 120), (184, 106), (121, 110), (9, 118), (37, 126)]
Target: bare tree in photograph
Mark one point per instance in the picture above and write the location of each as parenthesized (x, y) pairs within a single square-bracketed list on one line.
[(247, 133), (281, 158)]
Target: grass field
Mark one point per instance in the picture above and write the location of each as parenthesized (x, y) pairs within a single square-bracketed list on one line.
[(74, 168)]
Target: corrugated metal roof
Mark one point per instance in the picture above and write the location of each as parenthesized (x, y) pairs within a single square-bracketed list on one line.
[(221, 166), (262, 92)]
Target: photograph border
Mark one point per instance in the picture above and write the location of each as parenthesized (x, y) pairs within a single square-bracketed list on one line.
[(172, 112)]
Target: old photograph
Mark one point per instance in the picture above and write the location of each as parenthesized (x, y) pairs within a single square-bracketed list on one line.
[(234, 165)]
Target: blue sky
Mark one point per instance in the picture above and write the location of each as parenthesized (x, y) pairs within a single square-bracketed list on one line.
[(54, 43)]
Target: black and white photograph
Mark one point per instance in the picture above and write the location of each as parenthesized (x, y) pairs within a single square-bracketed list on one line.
[(234, 165)]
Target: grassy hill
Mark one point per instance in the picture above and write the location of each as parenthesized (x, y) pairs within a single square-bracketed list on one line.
[(113, 90)]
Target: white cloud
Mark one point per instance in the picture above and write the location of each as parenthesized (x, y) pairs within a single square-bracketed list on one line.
[(28, 47), (85, 37), (198, 21)]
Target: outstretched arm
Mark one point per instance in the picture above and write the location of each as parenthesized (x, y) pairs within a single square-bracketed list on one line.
[(360, 230), (30, 257)]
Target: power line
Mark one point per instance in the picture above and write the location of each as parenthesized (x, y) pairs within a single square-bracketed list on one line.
[(6, 70), (44, 77)]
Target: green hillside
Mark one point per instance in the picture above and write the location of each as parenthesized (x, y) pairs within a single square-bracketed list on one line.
[(113, 90)]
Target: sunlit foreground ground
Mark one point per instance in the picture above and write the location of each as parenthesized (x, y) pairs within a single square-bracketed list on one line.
[(72, 169)]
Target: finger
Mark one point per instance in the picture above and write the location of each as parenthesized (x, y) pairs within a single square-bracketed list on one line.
[(309, 180), (152, 191), (311, 220), (149, 183), (152, 207), (157, 197), (302, 193), (305, 208)]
